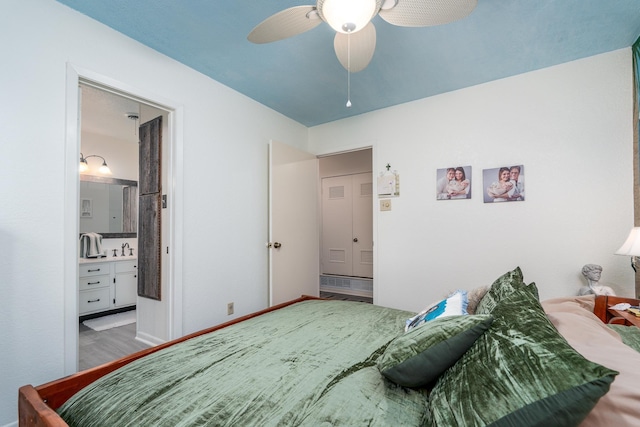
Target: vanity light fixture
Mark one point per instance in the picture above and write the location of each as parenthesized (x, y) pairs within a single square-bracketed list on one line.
[(84, 166)]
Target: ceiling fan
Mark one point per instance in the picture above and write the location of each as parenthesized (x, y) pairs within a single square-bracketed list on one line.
[(355, 39)]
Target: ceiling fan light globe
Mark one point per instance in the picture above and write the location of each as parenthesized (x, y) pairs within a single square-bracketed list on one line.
[(348, 16)]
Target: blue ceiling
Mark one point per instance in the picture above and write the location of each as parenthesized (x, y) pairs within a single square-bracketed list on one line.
[(301, 78)]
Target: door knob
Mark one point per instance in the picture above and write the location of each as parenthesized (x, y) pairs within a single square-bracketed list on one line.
[(277, 245), (355, 240)]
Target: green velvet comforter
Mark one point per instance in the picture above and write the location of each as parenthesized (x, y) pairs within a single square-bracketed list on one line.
[(630, 335), (312, 363)]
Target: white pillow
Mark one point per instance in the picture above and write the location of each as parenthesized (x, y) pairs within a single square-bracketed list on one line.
[(454, 305)]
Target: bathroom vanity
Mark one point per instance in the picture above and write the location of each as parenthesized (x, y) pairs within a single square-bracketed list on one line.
[(107, 284)]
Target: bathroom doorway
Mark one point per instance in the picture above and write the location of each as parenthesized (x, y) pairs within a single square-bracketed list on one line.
[(157, 320), (109, 306)]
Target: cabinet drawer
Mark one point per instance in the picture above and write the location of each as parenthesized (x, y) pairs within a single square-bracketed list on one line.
[(93, 282), (94, 300), (126, 266), (94, 269)]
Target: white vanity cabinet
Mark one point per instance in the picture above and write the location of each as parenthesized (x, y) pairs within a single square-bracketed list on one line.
[(106, 285), (125, 283), (95, 287)]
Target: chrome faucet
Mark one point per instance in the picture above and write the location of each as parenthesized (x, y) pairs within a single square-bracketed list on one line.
[(124, 245)]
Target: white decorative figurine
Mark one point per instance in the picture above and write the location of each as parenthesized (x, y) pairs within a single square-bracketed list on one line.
[(592, 273)]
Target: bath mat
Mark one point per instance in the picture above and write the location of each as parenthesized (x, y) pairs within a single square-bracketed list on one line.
[(111, 321)]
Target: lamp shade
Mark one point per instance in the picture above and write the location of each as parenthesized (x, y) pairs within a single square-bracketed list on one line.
[(631, 246), (348, 16)]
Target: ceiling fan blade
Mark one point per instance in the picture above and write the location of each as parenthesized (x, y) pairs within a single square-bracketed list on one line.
[(357, 56), (423, 13), (286, 23)]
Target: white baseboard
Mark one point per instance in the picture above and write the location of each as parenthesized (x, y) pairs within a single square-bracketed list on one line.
[(149, 339)]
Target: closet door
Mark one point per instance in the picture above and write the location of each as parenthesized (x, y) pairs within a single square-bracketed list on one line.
[(337, 236), (362, 189)]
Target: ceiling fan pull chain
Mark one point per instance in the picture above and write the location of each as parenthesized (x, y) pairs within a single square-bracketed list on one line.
[(349, 69)]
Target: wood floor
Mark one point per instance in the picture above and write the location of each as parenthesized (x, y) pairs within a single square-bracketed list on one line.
[(345, 297), (96, 348)]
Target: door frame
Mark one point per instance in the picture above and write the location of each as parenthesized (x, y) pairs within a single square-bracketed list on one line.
[(350, 246), (369, 145), (74, 76)]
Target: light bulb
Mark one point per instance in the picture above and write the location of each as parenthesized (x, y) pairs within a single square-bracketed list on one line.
[(104, 169), (348, 16)]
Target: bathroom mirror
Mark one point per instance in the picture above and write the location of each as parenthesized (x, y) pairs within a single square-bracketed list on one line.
[(108, 206)]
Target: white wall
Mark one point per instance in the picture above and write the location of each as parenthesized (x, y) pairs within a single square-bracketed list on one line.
[(571, 127), (225, 137), (121, 156)]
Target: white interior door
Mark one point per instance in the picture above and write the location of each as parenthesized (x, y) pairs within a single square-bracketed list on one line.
[(293, 224), (337, 229), (347, 232), (363, 225)]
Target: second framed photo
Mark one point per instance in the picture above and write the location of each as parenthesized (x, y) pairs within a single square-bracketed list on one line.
[(453, 183), (503, 184)]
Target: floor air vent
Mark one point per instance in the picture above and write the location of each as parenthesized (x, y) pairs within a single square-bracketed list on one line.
[(347, 285)]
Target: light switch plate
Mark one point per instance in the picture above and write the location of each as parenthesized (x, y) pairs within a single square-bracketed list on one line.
[(385, 205)]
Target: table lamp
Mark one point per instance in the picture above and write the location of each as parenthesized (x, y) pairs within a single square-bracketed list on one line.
[(631, 246)]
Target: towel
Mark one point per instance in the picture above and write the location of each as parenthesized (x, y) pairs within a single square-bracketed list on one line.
[(91, 245)]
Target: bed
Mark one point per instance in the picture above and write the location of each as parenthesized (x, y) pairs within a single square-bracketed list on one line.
[(513, 362)]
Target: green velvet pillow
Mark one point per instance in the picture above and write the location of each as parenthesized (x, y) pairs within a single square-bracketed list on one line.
[(419, 356), (521, 372), (504, 286)]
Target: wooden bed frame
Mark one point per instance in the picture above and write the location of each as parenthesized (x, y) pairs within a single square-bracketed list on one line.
[(37, 405)]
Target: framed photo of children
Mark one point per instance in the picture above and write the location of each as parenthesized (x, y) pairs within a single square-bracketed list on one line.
[(453, 183), (503, 184)]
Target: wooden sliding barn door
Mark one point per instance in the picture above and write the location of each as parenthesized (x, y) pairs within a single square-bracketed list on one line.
[(150, 209)]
